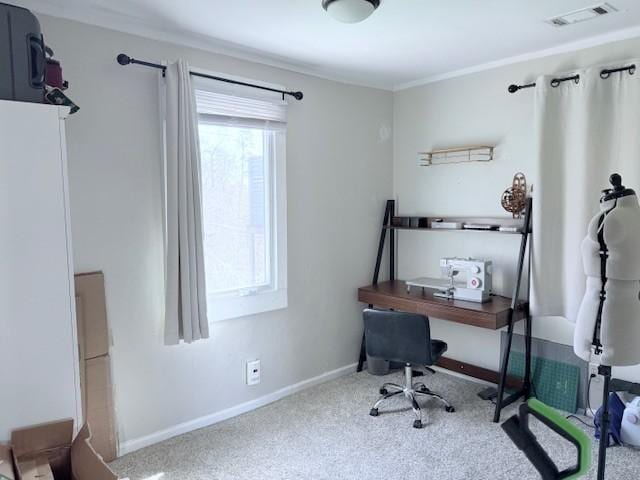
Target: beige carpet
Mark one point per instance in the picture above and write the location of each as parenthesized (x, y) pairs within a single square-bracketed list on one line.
[(326, 433)]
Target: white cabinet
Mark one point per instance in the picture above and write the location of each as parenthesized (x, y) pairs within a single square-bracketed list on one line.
[(38, 345)]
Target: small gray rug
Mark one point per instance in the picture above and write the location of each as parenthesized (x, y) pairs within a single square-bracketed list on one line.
[(326, 432)]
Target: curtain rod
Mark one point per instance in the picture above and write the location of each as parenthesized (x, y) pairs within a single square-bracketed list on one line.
[(124, 59), (604, 74)]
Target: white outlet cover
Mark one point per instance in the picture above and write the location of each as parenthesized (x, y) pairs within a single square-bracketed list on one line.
[(253, 372)]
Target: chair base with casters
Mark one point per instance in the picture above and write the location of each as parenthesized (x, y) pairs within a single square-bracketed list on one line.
[(411, 391)]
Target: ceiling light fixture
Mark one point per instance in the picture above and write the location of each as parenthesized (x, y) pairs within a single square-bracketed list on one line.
[(350, 11)]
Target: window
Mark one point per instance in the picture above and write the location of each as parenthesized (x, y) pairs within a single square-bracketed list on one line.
[(242, 150)]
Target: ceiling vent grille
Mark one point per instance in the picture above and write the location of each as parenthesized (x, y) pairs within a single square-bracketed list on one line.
[(582, 15)]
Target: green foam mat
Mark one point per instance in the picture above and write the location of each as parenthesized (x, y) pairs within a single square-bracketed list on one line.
[(554, 383)]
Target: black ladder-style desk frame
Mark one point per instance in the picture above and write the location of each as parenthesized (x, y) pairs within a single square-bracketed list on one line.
[(525, 390)]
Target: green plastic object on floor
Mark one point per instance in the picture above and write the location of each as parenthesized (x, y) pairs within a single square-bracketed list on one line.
[(517, 427)]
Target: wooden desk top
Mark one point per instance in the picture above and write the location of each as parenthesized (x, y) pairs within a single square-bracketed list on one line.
[(393, 294)]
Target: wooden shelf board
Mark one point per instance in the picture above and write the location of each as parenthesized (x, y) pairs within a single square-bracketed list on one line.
[(501, 221), (467, 230)]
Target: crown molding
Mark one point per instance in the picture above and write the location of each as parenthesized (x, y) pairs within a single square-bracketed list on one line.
[(77, 11), (619, 35)]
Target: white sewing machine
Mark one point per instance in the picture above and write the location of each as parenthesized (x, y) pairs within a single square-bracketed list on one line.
[(475, 287)]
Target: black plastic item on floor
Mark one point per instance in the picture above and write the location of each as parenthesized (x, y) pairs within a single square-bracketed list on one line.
[(517, 428), (22, 55), (489, 393), (377, 366)]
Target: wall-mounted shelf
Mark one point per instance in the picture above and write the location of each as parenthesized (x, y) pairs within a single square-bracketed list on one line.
[(465, 230), (476, 153), (518, 224)]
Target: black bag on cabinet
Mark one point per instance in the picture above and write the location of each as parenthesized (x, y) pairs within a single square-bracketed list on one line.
[(22, 55)]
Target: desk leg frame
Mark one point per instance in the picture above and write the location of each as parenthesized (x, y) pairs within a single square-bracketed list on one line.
[(525, 391), (363, 354), (389, 211)]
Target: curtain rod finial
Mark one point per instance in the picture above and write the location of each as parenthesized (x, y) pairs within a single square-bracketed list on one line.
[(298, 95), (123, 59), (513, 88)]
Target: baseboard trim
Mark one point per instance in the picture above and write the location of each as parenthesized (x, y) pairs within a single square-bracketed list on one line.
[(473, 371), (453, 373), (161, 435)]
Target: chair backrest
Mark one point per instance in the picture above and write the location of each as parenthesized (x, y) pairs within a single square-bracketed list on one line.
[(398, 336)]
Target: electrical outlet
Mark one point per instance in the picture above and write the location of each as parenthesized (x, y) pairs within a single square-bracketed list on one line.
[(254, 372), (595, 389)]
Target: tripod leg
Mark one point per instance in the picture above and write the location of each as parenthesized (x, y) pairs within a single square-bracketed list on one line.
[(605, 371)]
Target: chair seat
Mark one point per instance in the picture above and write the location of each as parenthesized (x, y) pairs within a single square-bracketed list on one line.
[(438, 347)]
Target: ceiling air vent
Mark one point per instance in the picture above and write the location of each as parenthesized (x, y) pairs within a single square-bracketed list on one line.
[(582, 15)]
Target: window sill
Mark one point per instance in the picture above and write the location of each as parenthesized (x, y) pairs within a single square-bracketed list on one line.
[(226, 307)]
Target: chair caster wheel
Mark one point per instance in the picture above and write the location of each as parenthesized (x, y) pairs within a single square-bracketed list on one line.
[(383, 391), (373, 412), (450, 409), (424, 390), (417, 424)]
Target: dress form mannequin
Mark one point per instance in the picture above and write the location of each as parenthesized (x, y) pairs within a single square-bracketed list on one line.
[(609, 315)]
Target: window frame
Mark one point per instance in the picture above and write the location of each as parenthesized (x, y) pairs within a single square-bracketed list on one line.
[(246, 301)]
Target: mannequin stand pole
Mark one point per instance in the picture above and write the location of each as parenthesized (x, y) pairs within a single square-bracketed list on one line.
[(610, 385), (605, 371)]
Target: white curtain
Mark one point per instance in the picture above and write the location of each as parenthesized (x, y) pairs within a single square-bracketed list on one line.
[(585, 131), (185, 290)]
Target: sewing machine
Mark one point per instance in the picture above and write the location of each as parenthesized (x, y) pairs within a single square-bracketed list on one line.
[(475, 287)]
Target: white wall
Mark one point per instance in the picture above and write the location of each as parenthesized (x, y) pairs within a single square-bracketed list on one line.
[(339, 172), (476, 109), (339, 154)]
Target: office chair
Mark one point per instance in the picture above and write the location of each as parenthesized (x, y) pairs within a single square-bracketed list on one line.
[(406, 338)]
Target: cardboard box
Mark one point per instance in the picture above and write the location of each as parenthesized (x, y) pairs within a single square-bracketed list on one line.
[(37, 468), (6, 463), (92, 310), (95, 363), (99, 407), (48, 452)]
